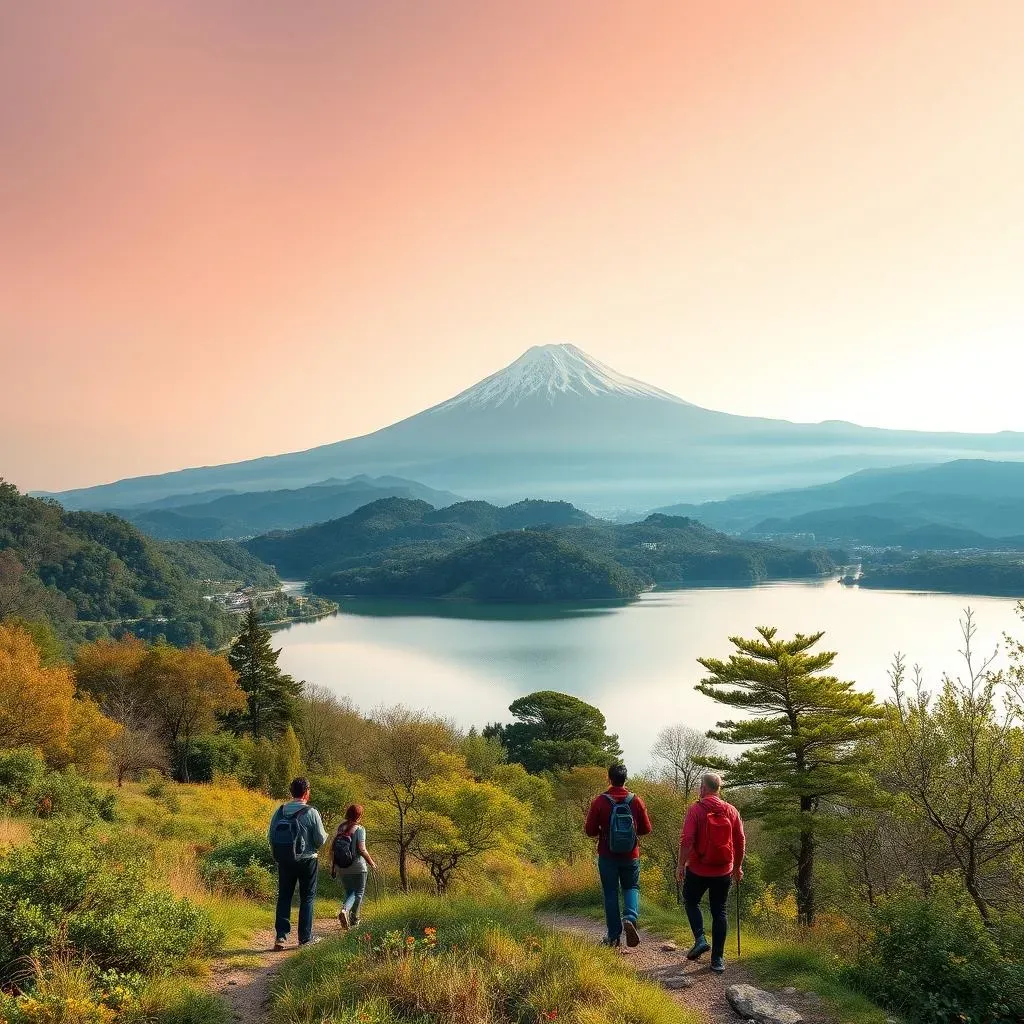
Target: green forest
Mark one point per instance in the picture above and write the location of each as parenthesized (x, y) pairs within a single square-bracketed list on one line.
[(91, 574), (400, 547)]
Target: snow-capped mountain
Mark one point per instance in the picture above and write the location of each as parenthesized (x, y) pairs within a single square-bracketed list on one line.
[(552, 371), (557, 423)]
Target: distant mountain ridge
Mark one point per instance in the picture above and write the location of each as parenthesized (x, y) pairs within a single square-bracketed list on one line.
[(238, 515), (960, 504), (557, 423)]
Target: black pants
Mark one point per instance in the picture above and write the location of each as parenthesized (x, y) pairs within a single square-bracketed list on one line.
[(304, 872), (694, 887)]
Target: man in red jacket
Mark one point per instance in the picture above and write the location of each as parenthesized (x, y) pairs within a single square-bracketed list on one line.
[(711, 851), (616, 819)]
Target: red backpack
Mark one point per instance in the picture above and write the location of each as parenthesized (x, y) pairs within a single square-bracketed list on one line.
[(714, 836)]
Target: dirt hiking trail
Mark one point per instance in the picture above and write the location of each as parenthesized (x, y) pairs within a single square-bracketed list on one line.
[(693, 985)]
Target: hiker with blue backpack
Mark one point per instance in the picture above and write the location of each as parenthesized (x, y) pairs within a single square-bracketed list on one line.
[(617, 819), (296, 834)]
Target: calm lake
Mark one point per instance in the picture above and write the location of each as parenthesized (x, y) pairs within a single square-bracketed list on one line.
[(637, 663)]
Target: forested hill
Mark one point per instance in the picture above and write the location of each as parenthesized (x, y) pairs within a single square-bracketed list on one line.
[(401, 523), (93, 574), (397, 547), (524, 567)]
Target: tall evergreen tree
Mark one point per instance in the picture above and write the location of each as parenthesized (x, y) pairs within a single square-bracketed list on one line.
[(805, 759), (271, 695)]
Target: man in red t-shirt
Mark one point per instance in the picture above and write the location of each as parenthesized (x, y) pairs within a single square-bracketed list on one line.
[(711, 850), (618, 853)]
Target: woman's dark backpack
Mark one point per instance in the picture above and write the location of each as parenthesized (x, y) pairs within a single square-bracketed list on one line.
[(344, 849)]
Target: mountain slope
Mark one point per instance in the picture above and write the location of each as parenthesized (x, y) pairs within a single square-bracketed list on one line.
[(232, 516), (92, 574), (556, 422)]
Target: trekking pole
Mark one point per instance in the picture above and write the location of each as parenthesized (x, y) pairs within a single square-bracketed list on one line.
[(737, 917)]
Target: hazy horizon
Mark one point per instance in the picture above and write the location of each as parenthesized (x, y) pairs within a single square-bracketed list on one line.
[(236, 229)]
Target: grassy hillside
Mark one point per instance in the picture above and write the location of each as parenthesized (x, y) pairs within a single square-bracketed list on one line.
[(93, 574), (465, 962)]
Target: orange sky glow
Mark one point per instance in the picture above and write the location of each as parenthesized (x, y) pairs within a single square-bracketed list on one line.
[(231, 228)]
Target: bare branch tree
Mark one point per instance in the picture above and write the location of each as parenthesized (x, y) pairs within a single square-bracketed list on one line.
[(685, 754)]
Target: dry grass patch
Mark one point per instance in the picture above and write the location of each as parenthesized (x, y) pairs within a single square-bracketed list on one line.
[(423, 959)]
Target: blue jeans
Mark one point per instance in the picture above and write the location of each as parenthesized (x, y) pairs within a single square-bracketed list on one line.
[(616, 874), (304, 872), (355, 890)]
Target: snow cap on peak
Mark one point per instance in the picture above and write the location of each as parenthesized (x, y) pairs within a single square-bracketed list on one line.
[(548, 371)]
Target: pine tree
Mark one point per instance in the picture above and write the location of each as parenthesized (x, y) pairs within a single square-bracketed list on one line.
[(271, 695), (805, 759)]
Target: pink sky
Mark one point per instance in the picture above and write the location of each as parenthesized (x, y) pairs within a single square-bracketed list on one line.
[(239, 228)]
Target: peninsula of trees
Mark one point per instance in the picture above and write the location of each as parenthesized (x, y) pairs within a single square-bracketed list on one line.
[(530, 551)]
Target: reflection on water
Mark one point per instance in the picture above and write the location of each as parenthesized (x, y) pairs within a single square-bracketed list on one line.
[(636, 662), (384, 608)]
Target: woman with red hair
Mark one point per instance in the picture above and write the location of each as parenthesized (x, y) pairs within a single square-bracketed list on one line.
[(351, 861)]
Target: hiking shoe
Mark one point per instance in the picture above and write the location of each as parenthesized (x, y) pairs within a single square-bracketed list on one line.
[(343, 918), (611, 943), (698, 949), (313, 941), (718, 964), (279, 945), (632, 935)]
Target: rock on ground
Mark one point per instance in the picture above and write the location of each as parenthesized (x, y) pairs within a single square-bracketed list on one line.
[(756, 1004)]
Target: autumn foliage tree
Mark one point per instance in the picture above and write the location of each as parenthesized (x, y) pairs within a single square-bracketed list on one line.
[(157, 692), (35, 700)]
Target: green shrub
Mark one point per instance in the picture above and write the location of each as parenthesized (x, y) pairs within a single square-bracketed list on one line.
[(253, 881), (74, 890), (208, 756), (241, 867), (932, 959), (67, 793), (20, 772), (26, 784), (242, 851)]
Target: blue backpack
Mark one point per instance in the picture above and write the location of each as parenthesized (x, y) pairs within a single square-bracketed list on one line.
[(621, 827), (287, 838)]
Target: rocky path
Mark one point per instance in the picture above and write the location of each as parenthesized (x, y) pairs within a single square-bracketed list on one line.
[(693, 985)]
